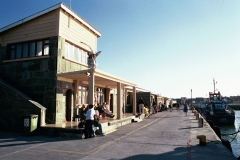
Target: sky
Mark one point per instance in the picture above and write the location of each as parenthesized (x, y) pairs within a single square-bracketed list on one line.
[(168, 47)]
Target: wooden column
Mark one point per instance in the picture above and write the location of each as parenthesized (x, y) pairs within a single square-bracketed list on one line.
[(91, 87), (119, 101), (134, 101), (76, 82)]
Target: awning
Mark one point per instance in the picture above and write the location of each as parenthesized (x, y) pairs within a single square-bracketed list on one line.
[(101, 79)]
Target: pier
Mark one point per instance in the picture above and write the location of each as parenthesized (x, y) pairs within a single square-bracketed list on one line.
[(164, 135)]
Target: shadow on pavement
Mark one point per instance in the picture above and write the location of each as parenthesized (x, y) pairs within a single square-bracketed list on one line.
[(15, 139), (184, 153)]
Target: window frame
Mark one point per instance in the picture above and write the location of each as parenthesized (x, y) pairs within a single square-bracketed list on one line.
[(82, 94), (72, 49), (13, 53)]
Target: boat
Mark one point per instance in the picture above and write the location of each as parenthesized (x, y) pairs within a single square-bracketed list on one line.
[(217, 110)]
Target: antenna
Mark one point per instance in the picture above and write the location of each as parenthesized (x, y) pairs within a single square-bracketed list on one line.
[(214, 85), (70, 3), (214, 82)]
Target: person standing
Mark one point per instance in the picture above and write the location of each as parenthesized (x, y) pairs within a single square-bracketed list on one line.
[(154, 106), (185, 108), (177, 106), (141, 105), (89, 121), (160, 107), (171, 106)]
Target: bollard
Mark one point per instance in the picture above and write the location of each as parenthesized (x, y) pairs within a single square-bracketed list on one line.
[(202, 140), (197, 116), (200, 122)]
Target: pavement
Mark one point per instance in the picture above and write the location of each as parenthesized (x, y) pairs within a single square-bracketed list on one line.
[(165, 135)]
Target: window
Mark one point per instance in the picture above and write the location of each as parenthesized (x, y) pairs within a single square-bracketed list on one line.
[(25, 50), (39, 48), (75, 53), (28, 49), (32, 49), (46, 47), (82, 95), (19, 51), (12, 52), (84, 57), (100, 95)]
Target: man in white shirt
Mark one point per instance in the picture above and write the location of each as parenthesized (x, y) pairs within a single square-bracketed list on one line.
[(89, 121)]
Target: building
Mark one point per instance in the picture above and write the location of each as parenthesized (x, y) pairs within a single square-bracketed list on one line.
[(45, 59)]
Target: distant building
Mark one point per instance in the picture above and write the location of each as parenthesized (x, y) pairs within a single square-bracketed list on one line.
[(235, 98)]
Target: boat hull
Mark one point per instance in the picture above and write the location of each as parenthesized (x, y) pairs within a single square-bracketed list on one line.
[(220, 119)]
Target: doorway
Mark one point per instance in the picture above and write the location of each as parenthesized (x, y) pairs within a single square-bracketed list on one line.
[(67, 94), (111, 102)]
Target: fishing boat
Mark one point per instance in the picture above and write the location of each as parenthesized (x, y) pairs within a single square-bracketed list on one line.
[(217, 110)]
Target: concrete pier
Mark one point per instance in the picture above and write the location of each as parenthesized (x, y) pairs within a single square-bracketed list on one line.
[(165, 135)]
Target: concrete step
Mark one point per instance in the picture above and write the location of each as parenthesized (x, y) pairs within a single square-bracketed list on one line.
[(136, 120), (108, 129)]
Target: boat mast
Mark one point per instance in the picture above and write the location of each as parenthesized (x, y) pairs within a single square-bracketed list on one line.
[(214, 82), (214, 85)]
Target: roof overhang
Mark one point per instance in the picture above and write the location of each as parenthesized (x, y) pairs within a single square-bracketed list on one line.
[(101, 79)]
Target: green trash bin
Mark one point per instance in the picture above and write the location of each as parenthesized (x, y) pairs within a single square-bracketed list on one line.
[(30, 124)]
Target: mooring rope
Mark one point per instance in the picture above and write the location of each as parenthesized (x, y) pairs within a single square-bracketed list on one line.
[(231, 134)]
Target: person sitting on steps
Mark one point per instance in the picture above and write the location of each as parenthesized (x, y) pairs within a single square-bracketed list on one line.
[(96, 123)]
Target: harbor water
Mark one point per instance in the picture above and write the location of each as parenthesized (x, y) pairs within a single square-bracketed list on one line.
[(233, 139)]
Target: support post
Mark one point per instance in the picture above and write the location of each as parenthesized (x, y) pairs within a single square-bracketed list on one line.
[(119, 101), (202, 140), (197, 116), (76, 108), (134, 101), (91, 87), (200, 122)]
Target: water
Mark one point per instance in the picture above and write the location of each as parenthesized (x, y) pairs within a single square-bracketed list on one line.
[(235, 142)]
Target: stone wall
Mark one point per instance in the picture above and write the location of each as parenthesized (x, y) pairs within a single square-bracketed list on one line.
[(36, 78), (60, 106), (14, 106)]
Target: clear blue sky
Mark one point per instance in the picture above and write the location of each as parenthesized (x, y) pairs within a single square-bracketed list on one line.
[(166, 46)]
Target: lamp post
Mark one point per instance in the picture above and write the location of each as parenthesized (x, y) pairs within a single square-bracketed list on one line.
[(92, 57), (92, 66), (191, 98)]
